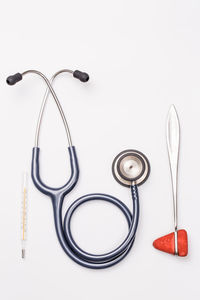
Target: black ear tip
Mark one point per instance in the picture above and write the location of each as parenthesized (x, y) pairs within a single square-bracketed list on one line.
[(82, 76), (11, 80), (85, 77)]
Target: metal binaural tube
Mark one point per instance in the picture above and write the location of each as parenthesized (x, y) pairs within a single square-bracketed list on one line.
[(51, 90), (43, 105), (82, 76)]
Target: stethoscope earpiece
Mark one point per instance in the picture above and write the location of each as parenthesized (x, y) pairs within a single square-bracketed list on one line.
[(82, 76), (12, 79), (131, 166)]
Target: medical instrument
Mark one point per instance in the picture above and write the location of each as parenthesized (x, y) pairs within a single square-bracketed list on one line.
[(24, 214), (130, 168), (176, 242)]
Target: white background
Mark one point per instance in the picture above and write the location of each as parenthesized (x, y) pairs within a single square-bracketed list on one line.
[(141, 56)]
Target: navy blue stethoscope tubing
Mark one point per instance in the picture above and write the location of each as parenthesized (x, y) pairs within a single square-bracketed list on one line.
[(63, 229), (57, 195)]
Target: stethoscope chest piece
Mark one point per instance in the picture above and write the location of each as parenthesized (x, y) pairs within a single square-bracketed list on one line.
[(131, 166)]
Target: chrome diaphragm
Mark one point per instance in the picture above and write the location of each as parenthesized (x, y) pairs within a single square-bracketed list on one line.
[(131, 167)]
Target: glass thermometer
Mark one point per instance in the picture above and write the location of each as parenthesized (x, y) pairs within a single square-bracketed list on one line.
[(24, 215)]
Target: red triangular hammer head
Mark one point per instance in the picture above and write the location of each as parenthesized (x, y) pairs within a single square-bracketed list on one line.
[(166, 243)]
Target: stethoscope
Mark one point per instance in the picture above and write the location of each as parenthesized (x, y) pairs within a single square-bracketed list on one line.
[(130, 168)]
